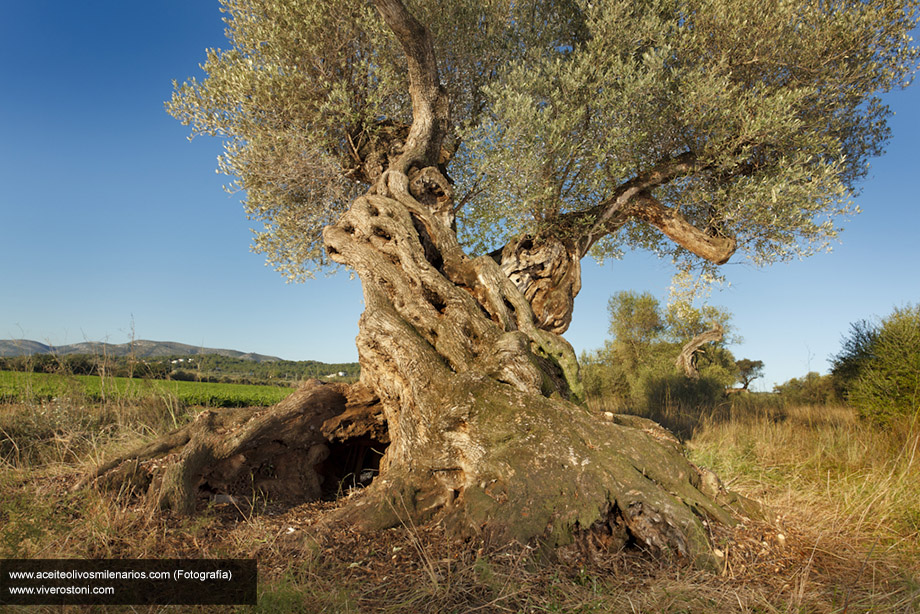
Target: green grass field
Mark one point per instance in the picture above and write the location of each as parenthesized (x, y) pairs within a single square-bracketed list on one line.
[(39, 387)]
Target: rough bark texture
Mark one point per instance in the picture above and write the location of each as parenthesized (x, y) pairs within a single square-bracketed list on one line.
[(547, 271), (670, 222)]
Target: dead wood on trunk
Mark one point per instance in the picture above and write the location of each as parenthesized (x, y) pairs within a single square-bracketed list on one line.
[(547, 271), (290, 453)]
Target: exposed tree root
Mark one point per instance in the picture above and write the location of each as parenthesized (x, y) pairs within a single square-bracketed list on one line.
[(550, 471), (293, 452)]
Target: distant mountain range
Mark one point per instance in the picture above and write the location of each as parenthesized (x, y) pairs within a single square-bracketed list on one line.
[(139, 349)]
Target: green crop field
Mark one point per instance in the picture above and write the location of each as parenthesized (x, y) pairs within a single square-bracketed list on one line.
[(20, 387)]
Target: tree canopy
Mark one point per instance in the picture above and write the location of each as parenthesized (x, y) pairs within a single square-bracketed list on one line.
[(719, 125)]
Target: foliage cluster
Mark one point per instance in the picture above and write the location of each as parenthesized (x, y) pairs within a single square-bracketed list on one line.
[(811, 389), (878, 368), (636, 370), (755, 120)]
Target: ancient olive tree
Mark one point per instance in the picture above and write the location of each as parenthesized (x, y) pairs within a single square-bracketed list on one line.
[(462, 157)]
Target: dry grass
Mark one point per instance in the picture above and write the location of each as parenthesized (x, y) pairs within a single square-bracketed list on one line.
[(842, 536), (847, 490)]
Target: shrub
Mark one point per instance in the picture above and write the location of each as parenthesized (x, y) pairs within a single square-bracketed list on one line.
[(676, 393), (604, 380), (887, 385), (813, 389), (856, 352)]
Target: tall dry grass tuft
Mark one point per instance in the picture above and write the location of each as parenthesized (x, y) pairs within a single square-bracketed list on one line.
[(69, 432), (845, 486)]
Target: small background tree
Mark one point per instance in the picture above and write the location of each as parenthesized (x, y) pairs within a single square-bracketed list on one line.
[(748, 371), (853, 356), (635, 369), (812, 389)]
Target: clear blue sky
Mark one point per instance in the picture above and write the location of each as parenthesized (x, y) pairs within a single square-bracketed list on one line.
[(110, 218)]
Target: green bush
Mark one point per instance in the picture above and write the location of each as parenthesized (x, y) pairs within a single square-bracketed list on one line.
[(853, 356), (887, 385), (635, 370), (813, 389), (604, 380)]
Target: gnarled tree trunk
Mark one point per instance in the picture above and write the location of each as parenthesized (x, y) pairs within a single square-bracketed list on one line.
[(476, 406), (486, 430)]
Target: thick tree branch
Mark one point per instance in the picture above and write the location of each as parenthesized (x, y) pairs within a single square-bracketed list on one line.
[(546, 269), (611, 210), (676, 227), (612, 213), (430, 104), (633, 199)]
